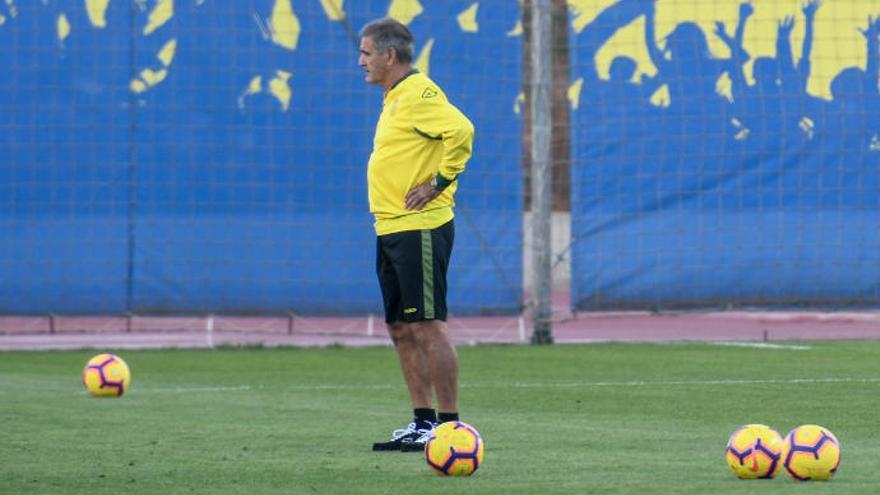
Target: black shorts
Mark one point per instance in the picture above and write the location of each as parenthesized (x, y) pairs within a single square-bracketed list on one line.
[(412, 266)]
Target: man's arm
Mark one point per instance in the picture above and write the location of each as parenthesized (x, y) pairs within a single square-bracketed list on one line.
[(440, 120)]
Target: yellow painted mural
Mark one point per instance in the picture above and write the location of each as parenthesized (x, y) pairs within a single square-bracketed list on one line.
[(334, 9), (97, 12), (404, 10), (838, 43), (62, 27), (574, 93), (149, 77), (280, 89), (284, 25), (162, 12), (660, 97), (254, 87), (724, 87), (152, 77), (518, 103), (584, 11), (467, 20), (166, 53), (423, 61), (517, 29), (11, 11)]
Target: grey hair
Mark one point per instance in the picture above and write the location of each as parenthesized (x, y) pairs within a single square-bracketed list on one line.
[(389, 33)]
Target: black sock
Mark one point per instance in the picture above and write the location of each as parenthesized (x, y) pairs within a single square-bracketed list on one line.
[(444, 417), (425, 417)]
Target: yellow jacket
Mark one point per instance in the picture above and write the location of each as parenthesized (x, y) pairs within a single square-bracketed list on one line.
[(419, 134)]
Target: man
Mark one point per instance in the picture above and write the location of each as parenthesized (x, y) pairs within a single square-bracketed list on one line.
[(421, 145)]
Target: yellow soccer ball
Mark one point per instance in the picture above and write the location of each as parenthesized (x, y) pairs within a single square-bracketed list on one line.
[(811, 452), (454, 449), (754, 452), (106, 375)]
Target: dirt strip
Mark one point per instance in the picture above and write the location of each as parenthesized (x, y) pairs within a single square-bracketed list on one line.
[(108, 332)]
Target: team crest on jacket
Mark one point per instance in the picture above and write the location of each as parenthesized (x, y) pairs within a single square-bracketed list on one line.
[(429, 93)]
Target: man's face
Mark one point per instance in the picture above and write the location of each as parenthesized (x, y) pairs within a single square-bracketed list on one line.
[(376, 64)]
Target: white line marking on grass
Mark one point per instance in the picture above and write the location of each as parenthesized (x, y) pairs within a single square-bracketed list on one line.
[(246, 388), (187, 390), (763, 345), (632, 383), (640, 383)]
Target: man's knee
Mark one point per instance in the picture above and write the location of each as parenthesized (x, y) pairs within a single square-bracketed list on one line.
[(428, 331), (400, 332)]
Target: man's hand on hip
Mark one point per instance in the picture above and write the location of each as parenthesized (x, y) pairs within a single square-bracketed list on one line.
[(421, 195)]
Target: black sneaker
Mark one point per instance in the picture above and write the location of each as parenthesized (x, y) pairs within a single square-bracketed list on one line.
[(418, 445), (402, 437)]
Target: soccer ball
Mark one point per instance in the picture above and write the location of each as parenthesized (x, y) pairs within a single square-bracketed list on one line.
[(754, 451), (106, 375), (811, 452), (454, 449)]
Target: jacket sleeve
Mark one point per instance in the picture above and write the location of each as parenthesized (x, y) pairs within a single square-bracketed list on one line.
[(436, 118)]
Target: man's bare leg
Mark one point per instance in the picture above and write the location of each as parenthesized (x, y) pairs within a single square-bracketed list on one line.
[(430, 365), (441, 362), (412, 363), (418, 381)]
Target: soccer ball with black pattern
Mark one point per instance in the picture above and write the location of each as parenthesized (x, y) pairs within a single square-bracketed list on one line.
[(106, 375), (811, 452), (454, 449), (754, 452)]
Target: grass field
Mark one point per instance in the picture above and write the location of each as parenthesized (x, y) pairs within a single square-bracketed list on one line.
[(603, 419)]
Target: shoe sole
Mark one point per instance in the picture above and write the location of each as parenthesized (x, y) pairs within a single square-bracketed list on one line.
[(378, 447)]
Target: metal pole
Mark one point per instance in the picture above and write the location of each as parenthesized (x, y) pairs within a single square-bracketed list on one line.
[(541, 171)]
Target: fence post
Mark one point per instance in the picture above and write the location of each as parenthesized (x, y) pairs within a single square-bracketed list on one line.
[(541, 170)]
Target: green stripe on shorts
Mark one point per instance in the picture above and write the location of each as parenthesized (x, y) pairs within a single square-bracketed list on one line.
[(428, 274)]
